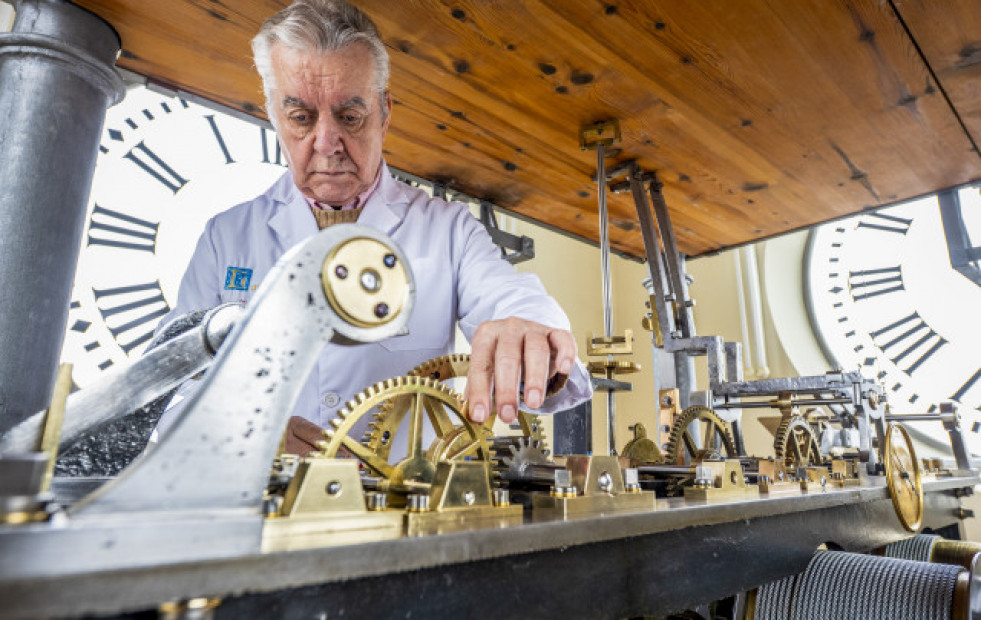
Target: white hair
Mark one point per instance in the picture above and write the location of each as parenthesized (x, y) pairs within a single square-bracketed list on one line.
[(320, 26)]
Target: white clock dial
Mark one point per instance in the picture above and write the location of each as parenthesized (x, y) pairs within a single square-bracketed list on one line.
[(884, 298), (165, 166)]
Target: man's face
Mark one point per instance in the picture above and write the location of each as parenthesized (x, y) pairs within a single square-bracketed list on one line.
[(330, 121)]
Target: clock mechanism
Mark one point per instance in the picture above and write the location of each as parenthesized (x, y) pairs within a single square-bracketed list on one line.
[(884, 298)]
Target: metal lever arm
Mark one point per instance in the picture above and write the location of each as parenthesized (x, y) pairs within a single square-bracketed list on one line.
[(121, 393)]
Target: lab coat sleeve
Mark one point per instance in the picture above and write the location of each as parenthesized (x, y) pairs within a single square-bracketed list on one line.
[(489, 288)]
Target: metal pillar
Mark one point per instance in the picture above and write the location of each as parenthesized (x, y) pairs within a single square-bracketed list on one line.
[(56, 80)]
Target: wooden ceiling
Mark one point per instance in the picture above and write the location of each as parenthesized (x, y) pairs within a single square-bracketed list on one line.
[(761, 116)]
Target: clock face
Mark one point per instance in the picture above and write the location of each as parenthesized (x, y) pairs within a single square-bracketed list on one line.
[(884, 298), (165, 166)]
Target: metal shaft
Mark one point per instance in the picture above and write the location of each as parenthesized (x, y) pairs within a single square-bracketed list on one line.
[(607, 289), (56, 80)]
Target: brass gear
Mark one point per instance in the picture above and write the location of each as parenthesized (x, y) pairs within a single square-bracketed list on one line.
[(424, 398), (458, 365), (903, 477), (796, 443), (681, 445)]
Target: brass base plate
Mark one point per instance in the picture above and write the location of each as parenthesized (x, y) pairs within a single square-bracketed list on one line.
[(460, 519), (548, 508), (330, 530)]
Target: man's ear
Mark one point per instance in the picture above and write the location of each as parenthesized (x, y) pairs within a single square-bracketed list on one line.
[(388, 110)]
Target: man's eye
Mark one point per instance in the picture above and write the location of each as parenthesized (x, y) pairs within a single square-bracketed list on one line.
[(351, 119), (300, 118)]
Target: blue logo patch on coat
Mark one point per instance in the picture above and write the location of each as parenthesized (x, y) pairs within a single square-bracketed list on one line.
[(237, 279)]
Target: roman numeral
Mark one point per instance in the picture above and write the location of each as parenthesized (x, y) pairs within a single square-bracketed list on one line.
[(910, 340), (868, 283), (886, 223), (156, 167), (959, 394), (220, 139), (130, 312), (264, 139), (126, 231)]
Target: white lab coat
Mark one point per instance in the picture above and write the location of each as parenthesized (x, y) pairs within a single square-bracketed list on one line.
[(459, 275)]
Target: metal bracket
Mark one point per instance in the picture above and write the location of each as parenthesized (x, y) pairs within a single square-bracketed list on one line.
[(602, 133), (514, 248)]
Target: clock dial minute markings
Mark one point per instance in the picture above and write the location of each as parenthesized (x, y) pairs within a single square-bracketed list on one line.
[(129, 304), (81, 326)]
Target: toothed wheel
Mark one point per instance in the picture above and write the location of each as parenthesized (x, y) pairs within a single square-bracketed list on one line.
[(715, 437), (423, 399), (454, 366), (796, 443), (522, 459)]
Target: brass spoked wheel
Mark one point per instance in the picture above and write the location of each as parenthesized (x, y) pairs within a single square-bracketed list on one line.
[(455, 366), (714, 436), (415, 401), (796, 443), (903, 477)]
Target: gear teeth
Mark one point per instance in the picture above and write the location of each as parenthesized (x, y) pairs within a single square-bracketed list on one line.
[(336, 422), (675, 439)]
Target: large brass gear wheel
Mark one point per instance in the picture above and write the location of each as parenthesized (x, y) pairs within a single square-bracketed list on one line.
[(424, 399), (715, 435), (458, 365), (796, 443)]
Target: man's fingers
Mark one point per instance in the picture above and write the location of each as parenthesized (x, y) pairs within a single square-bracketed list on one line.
[(536, 367), (481, 372), (507, 374), (563, 346)]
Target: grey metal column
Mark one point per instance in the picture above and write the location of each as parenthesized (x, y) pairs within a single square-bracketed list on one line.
[(56, 81)]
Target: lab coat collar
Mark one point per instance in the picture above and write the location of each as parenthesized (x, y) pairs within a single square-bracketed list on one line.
[(292, 220), (385, 208)]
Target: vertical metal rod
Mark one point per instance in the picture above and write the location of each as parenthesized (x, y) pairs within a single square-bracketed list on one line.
[(607, 288), (56, 80)]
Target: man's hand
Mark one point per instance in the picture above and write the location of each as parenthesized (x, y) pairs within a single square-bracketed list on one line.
[(508, 351)]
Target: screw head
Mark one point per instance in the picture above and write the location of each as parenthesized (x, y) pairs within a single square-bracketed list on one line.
[(340, 271), (389, 260), (370, 281), (469, 497), (381, 310), (333, 487)]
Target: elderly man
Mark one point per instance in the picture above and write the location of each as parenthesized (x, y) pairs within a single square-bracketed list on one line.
[(325, 73)]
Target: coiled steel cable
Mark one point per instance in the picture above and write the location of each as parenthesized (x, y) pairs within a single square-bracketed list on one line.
[(851, 586), (918, 548)]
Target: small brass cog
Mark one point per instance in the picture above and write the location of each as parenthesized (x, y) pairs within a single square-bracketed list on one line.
[(796, 443), (458, 365), (682, 448), (424, 398)]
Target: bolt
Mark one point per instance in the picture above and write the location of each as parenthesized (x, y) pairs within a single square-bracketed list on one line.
[(469, 498), (340, 271), (605, 481), (370, 280), (333, 487), (390, 260), (381, 310)]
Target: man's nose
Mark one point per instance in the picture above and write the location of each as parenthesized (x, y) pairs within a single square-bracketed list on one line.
[(327, 135)]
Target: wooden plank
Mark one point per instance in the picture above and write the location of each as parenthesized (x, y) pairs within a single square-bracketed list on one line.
[(761, 116), (949, 35)]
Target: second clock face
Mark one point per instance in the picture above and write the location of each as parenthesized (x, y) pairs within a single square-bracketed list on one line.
[(165, 166), (884, 298)]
